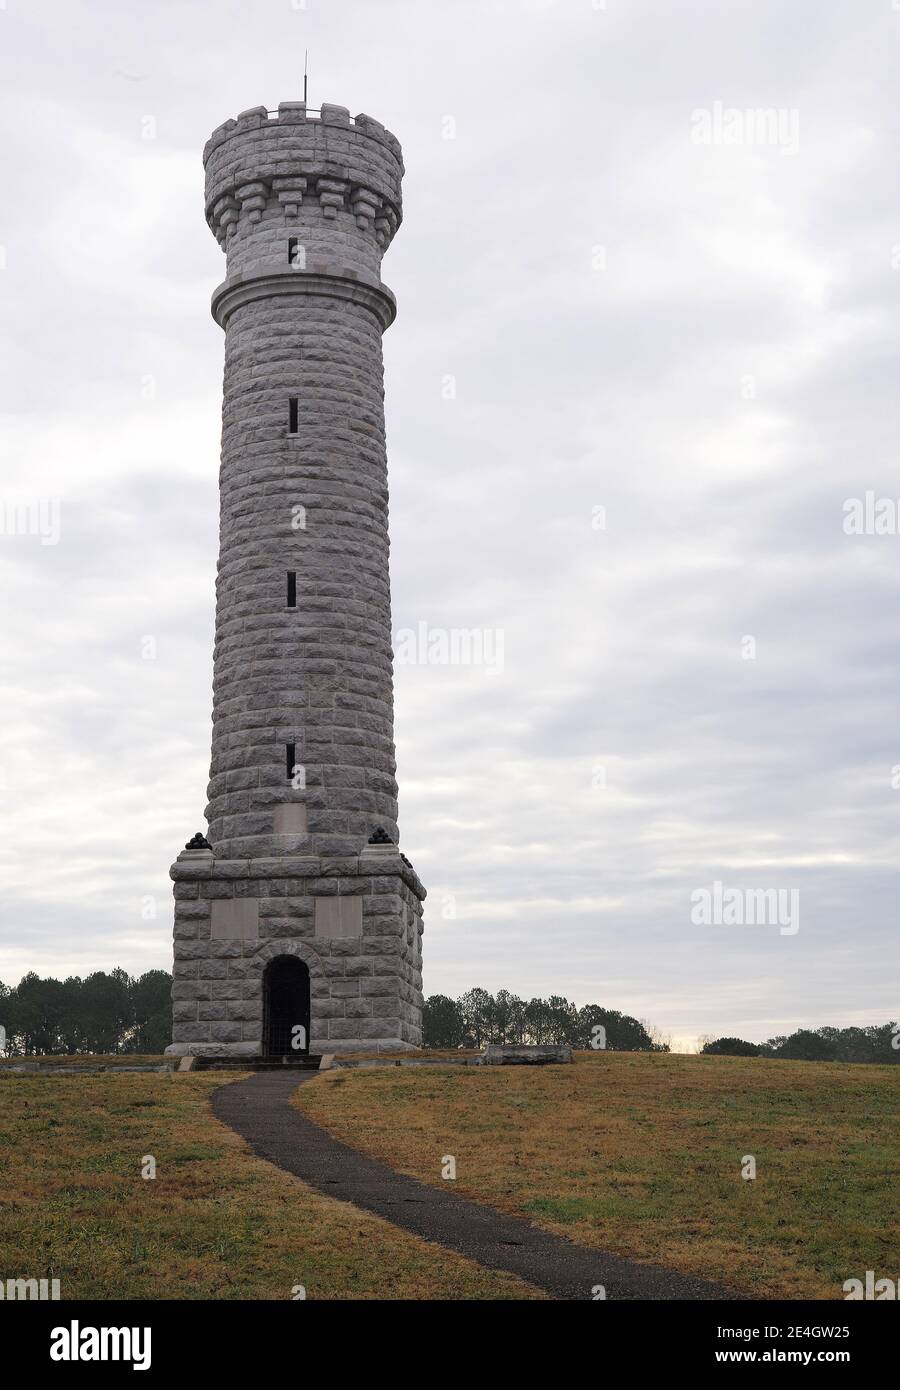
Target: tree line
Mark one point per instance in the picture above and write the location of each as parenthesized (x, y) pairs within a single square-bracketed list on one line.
[(477, 1017), (115, 1012), (880, 1043), (102, 1013)]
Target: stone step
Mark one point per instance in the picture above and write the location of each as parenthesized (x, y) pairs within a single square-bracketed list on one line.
[(292, 1061)]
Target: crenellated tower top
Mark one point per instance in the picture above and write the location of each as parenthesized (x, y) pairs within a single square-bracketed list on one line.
[(329, 181)]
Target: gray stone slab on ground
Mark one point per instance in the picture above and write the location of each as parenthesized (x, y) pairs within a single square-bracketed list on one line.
[(526, 1054), (259, 1110)]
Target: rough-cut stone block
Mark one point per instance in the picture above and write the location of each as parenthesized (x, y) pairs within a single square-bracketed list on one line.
[(345, 989), (225, 1032)]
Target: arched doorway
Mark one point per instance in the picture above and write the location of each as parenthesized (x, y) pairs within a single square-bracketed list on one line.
[(285, 1007)]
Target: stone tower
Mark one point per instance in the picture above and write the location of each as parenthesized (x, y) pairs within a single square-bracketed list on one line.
[(298, 922)]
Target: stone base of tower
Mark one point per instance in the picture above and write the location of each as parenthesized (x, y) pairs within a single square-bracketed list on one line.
[(351, 926), (252, 1051)]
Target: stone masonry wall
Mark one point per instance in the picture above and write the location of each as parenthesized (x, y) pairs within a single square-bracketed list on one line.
[(366, 990), (318, 675), (313, 502)]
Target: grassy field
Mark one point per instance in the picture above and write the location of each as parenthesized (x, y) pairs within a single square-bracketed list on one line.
[(642, 1154), (216, 1222), (635, 1153)]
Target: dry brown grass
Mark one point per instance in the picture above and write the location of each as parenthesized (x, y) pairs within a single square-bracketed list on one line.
[(641, 1154), (216, 1222)]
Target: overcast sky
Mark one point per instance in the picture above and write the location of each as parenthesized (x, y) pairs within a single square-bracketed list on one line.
[(656, 315)]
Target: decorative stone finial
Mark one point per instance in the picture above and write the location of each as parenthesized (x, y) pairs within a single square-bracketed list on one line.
[(199, 841)]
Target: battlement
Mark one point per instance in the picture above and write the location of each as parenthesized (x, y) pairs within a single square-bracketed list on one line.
[(303, 168), (298, 113)]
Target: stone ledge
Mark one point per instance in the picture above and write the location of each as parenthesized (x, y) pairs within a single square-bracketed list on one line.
[(236, 1049), (187, 869), (249, 287), (253, 1049)]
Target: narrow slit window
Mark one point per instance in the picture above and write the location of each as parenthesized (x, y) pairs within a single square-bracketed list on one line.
[(292, 249), (292, 415), (290, 759), (292, 588)]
